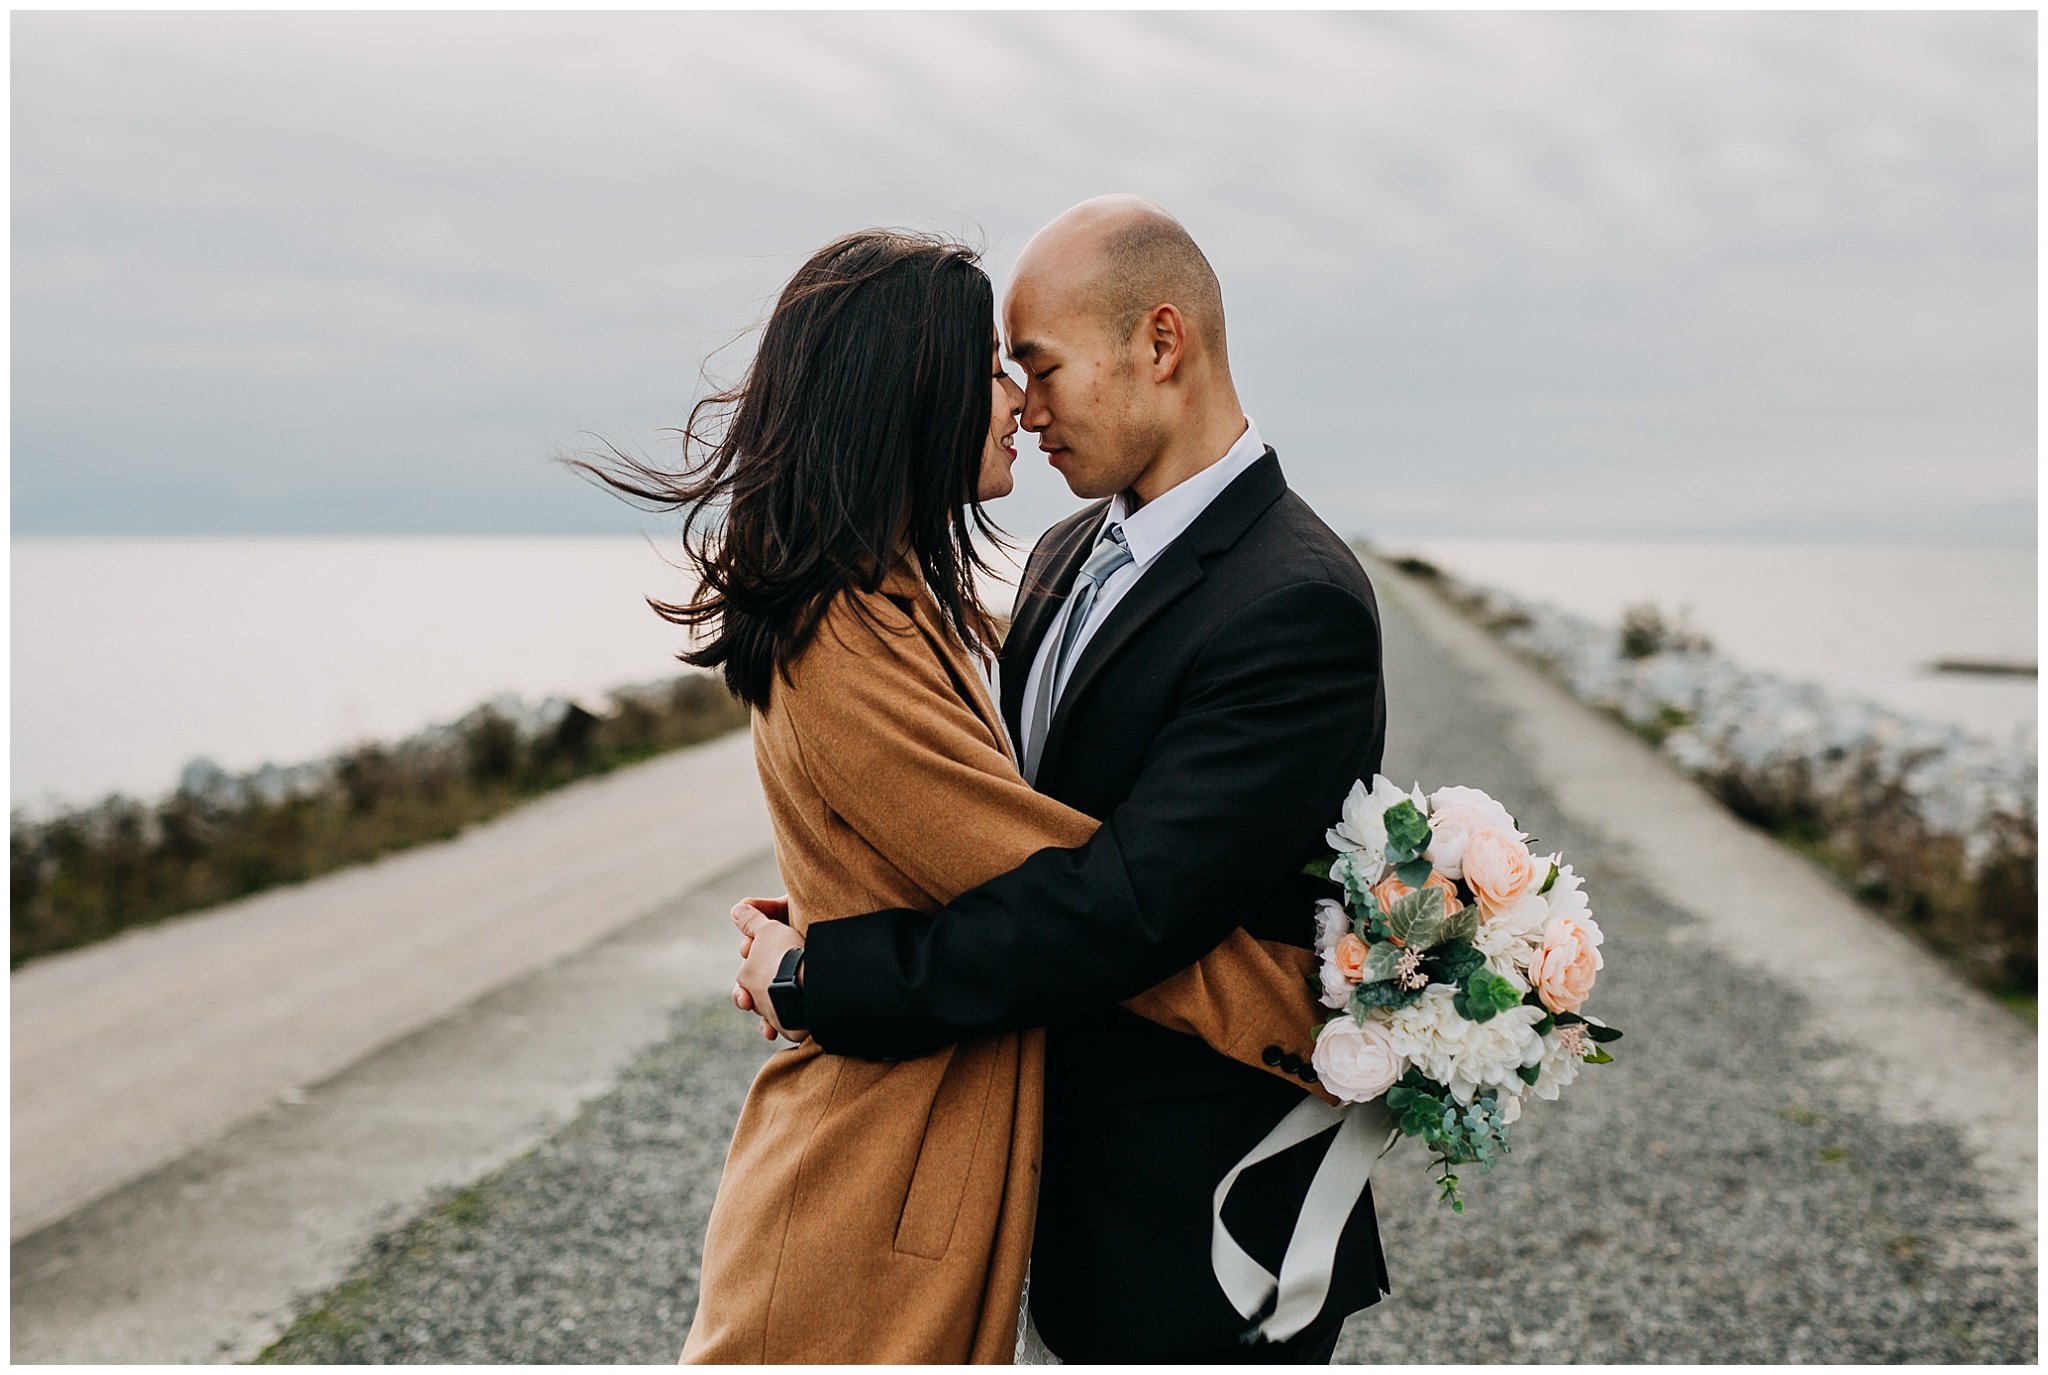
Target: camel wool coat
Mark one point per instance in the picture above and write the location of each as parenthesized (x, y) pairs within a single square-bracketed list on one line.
[(883, 1211)]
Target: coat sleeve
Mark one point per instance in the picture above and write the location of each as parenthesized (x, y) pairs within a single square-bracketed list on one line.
[(893, 750), (1278, 716)]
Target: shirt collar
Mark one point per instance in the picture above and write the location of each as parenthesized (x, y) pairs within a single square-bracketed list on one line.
[(1161, 521)]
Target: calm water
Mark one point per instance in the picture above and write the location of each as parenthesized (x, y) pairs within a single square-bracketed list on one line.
[(1865, 620), (133, 656)]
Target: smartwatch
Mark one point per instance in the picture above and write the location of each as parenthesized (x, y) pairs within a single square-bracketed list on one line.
[(786, 995)]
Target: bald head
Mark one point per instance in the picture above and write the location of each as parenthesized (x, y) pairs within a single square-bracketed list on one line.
[(1118, 258), (1117, 319)]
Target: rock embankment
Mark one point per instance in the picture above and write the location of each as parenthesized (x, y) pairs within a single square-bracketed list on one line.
[(1929, 824)]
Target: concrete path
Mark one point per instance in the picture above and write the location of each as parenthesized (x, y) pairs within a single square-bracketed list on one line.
[(209, 1257), (128, 1054)]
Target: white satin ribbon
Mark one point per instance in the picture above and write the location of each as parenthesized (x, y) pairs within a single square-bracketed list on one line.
[(1304, 1279)]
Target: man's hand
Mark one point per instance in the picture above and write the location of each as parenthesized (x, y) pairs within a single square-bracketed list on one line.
[(765, 937)]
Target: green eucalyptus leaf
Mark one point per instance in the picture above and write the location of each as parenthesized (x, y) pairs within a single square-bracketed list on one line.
[(1385, 993), (1415, 872), (1416, 919), (1461, 925), (1485, 994), (1358, 896), (1412, 1108), (1380, 962), (1451, 961), (1407, 828)]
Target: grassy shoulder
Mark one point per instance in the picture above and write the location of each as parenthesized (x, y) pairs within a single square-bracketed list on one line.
[(88, 873)]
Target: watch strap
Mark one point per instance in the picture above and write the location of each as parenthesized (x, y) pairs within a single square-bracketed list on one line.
[(787, 994)]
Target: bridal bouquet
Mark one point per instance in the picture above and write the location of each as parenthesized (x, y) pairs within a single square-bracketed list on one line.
[(1460, 964)]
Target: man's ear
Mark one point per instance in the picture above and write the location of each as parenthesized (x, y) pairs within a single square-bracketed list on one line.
[(1165, 333)]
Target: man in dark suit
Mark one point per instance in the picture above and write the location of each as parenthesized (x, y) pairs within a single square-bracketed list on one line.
[(1195, 660)]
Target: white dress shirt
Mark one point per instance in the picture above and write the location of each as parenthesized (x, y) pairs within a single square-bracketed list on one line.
[(1147, 532)]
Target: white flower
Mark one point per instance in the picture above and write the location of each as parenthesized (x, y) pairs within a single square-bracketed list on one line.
[(1356, 1063), (1509, 939), (1567, 897), (1564, 1050), (1332, 921), (1454, 814), (1465, 1056), (1361, 834), (1337, 989)]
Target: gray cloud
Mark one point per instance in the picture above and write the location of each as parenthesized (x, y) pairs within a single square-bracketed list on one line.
[(1764, 273)]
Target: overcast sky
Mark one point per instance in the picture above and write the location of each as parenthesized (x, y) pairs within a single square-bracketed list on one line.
[(1748, 274)]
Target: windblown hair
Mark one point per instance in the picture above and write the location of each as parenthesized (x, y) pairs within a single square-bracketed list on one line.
[(857, 434)]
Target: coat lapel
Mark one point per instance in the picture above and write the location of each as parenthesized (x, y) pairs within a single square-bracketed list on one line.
[(905, 581), (1047, 579), (1178, 568)]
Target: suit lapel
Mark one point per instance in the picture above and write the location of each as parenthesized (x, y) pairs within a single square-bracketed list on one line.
[(1048, 577), (1178, 568)]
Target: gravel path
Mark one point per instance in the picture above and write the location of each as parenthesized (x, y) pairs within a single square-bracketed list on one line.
[(584, 1250), (1708, 1198)]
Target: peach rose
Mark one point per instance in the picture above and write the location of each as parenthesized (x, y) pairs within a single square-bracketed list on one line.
[(1349, 957), (1498, 870), (1391, 890), (1455, 815), (1563, 969)]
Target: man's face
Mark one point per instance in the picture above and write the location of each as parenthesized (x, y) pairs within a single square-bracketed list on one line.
[(1085, 394)]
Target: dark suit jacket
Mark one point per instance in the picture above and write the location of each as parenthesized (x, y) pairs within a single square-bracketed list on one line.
[(1214, 724)]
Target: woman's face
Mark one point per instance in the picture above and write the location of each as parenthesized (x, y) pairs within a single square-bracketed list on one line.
[(1006, 402)]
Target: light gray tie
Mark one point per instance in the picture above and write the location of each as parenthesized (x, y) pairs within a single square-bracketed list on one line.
[(1110, 554)]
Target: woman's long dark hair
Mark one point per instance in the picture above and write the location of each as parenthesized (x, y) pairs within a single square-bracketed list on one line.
[(857, 433)]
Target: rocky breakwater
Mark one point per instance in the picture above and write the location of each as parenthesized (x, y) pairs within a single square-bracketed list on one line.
[(1928, 824)]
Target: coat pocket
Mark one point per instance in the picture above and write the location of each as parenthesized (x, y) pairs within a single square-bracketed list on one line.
[(954, 1134)]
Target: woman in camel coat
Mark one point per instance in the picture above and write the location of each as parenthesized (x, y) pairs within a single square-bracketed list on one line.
[(883, 1212)]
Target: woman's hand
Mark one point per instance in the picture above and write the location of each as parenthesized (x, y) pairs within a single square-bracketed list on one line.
[(765, 937), (775, 909)]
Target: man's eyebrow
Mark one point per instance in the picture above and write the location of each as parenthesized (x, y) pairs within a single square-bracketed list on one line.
[(1023, 351)]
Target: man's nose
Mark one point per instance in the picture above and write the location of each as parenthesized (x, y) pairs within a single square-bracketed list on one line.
[(1037, 415)]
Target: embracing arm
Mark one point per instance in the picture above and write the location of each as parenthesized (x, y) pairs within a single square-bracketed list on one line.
[(941, 803), (1277, 719)]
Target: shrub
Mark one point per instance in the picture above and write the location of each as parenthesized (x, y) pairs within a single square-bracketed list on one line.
[(86, 873)]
